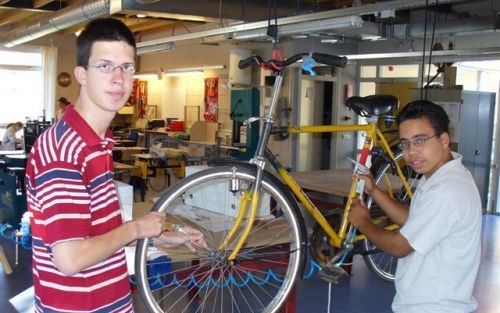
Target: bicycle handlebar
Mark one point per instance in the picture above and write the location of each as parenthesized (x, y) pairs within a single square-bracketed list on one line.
[(277, 65)]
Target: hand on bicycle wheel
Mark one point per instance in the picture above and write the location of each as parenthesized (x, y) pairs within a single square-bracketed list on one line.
[(189, 237), (149, 225), (359, 214)]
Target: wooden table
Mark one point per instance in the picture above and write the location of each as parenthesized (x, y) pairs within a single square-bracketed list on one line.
[(136, 149), (125, 142), (124, 167), (124, 154), (334, 182)]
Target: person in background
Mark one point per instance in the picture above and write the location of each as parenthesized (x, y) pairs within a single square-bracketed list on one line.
[(9, 138), (438, 244), (62, 104), (79, 262)]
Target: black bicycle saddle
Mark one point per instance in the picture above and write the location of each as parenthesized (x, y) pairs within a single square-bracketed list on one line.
[(375, 105)]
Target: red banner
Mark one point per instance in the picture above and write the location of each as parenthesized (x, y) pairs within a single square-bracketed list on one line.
[(211, 99), (139, 96)]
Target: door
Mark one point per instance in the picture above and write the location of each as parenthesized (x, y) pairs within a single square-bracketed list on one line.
[(311, 113), (476, 136)]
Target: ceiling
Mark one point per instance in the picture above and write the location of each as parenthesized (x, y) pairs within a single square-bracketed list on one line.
[(24, 20)]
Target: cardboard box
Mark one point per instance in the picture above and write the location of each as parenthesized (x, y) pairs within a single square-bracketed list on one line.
[(216, 199), (126, 199)]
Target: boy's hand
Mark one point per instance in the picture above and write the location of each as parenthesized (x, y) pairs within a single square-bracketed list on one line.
[(189, 236), (358, 215)]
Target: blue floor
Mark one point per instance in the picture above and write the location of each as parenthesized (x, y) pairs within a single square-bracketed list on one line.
[(364, 293), (361, 293)]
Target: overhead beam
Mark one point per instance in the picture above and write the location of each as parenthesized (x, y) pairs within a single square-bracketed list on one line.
[(41, 3), (11, 16), (35, 5), (146, 25)]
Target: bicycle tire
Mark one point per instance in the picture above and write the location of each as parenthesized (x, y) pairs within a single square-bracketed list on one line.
[(384, 265), (260, 278)]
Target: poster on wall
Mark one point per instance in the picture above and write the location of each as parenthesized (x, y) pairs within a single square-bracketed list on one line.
[(142, 97), (211, 99), (132, 100)]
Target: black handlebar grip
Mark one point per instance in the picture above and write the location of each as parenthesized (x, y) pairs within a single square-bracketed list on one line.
[(247, 62), (328, 59)]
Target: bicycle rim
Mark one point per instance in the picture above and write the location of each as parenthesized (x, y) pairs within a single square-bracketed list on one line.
[(264, 272), (382, 264)]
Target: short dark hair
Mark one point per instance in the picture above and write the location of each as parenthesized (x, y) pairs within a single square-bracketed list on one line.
[(63, 101), (102, 29), (434, 113)]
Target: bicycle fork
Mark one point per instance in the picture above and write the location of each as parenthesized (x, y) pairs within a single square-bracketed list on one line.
[(254, 194)]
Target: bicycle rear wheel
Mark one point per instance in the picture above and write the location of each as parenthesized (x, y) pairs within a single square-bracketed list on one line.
[(265, 270), (383, 265)]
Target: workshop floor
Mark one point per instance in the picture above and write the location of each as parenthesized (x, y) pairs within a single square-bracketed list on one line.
[(362, 293)]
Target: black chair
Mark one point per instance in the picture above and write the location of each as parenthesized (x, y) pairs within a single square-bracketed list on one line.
[(138, 184), (133, 135)]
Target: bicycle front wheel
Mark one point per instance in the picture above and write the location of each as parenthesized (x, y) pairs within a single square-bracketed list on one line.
[(384, 265), (265, 269)]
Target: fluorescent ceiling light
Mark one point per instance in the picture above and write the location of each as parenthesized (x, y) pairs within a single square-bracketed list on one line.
[(346, 22), (331, 40), (196, 68), (185, 73), (167, 46), (148, 75)]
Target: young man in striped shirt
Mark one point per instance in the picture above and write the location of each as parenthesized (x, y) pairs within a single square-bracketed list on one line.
[(78, 235)]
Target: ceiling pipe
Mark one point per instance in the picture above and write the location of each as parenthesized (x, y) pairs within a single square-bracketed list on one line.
[(88, 9), (359, 10), (62, 19)]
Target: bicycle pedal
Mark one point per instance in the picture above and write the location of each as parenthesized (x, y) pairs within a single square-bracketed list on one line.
[(333, 274)]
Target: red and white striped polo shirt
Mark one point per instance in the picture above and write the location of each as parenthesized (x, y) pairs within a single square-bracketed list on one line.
[(71, 194)]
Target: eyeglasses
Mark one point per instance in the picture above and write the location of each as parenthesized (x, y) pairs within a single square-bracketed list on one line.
[(107, 68), (417, 142)]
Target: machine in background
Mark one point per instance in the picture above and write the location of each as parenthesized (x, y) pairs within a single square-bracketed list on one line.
[(12, 188), (245, 104), (33, 129), (12, 172)]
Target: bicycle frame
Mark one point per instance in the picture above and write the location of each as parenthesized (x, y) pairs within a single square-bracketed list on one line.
[(373, 137), (373, 134)]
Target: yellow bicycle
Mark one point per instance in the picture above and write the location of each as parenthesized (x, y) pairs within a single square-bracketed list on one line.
[(255, 232)]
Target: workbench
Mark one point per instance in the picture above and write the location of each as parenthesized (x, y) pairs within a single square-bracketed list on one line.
[(124, 154)]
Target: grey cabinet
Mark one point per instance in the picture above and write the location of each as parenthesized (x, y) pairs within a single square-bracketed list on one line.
[(471, 125), (476, 137)]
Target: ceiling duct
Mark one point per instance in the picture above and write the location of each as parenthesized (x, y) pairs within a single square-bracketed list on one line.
[(69, 16), (256, 29), (88, 9)]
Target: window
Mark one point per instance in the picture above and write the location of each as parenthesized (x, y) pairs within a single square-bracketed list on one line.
[(368, 71), (398, 71), (21, 85), (467, 77)]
